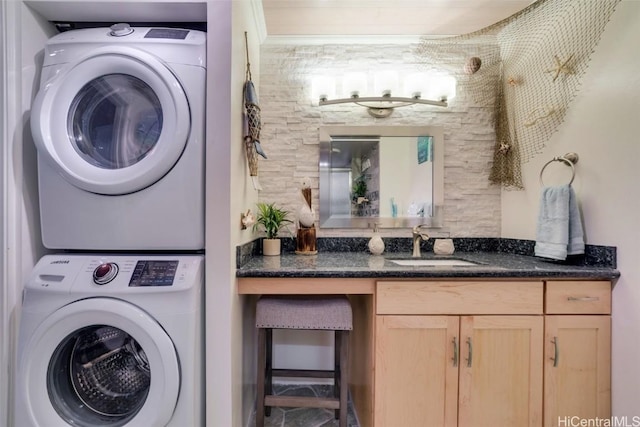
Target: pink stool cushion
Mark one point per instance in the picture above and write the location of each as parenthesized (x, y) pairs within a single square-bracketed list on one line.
[(304, 312)]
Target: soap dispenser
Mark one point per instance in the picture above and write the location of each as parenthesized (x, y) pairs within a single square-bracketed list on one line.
[(376, 245)]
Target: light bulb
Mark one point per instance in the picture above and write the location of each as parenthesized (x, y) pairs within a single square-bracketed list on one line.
[(354, 84), (416, 85), (385, 83), (322, 88), (442, 86)]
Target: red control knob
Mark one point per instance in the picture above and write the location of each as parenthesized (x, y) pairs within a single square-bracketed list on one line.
[(104, 273)]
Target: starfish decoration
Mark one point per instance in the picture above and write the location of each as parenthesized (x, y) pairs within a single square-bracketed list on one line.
[(513, 81), (539, 114), (504, 148), (560, 67)]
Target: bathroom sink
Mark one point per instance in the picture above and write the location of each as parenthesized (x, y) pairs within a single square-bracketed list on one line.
[(449, 262)]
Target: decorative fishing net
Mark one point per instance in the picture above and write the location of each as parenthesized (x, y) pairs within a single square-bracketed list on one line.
[(528, 68), (253, 116), (251, 120)]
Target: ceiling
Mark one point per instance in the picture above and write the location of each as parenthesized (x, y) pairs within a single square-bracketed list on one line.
[(384, 17)]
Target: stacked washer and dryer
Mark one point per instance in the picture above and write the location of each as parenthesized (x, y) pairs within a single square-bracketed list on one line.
[(111, 327)]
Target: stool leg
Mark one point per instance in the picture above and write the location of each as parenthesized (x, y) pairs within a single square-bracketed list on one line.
[(344, 377), (269, 368), (260, 380), (336, 369)]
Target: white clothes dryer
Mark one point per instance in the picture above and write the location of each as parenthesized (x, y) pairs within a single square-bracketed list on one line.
[(119, 125), (112, 341)]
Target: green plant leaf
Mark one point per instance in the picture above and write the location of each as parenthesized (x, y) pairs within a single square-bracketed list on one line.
[(271, 218)]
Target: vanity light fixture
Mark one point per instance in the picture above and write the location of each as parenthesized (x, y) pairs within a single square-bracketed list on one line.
[(431, 88)]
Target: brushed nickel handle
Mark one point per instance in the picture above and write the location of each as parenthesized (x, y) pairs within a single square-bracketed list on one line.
[(470, 358), (583, 299), (455, 352), (556, 352)]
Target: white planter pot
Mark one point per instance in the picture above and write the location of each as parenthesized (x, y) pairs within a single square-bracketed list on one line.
[(270, 247)]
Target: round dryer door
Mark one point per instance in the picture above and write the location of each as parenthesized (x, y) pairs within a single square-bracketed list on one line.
[(113, 122), (100, 361)]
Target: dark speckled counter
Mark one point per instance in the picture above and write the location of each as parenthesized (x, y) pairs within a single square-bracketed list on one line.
[(495, 258)]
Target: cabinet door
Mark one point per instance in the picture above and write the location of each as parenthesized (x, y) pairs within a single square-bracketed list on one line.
[(416, 372), (501, 371), (577, 368)]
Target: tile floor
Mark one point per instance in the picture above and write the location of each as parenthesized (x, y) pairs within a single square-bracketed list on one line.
[(304, 417)]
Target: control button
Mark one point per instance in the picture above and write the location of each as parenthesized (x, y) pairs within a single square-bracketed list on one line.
[(104, 273), (121, 29)]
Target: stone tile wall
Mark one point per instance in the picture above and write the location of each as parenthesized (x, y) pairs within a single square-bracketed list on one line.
[(290, 125)]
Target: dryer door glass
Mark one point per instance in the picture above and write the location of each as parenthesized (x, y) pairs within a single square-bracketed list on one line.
[(114, 121), (98, 375)]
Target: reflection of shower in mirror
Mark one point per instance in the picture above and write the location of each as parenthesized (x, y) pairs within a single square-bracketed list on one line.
[(392, 174)]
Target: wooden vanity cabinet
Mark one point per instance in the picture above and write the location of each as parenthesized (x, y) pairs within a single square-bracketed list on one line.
[(410, 355), (502, 383), (458, 354), (478, 353), (416, 374), (577, 348)]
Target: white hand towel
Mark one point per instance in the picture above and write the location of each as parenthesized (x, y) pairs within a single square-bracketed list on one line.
[(576, 235), (559, 230)]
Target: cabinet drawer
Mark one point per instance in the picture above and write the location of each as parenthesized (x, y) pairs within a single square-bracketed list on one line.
[(578, 297), (465, 297)]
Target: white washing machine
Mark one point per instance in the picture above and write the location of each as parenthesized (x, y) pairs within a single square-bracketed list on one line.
[(119, 124), (111, 340)]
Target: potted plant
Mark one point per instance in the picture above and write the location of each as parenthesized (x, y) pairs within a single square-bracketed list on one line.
[(359, 189), (271, 218)]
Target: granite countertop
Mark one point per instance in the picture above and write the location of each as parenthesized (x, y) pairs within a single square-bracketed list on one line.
[(499, 258)]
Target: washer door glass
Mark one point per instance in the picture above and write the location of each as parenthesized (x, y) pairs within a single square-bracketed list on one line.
[(98, 375), (99, 362), (114, 121)]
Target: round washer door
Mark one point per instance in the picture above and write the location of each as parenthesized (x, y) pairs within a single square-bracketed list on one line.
[(113, 122), (100, 361)]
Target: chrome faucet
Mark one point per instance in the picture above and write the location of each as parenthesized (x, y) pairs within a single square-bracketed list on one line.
[(418, 236)]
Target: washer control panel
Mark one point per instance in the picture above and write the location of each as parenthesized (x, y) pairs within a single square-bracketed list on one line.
[(105, 272), (141, 272), (154, 273), (114, 273)]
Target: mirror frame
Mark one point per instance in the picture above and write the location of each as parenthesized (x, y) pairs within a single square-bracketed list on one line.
[(434, 221)]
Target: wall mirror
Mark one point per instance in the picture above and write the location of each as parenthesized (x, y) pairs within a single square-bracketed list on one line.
[(390, 175)]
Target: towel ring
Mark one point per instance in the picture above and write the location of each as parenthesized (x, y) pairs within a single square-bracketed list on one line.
[(570, 159)]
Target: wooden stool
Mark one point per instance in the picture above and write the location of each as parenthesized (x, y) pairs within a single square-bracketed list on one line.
[(308, 312)]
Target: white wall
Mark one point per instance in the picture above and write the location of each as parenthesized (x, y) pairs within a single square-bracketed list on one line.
[(5, 330), (602, 125), (25, 34), (229, 377)]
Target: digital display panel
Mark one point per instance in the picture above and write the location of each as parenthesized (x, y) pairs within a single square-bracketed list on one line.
[(154, 273), (166, 33)]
